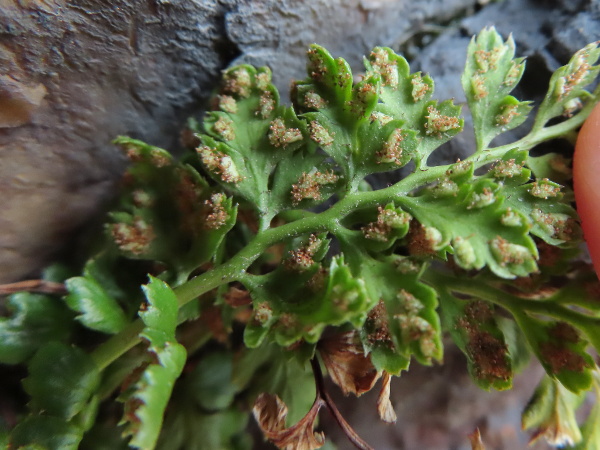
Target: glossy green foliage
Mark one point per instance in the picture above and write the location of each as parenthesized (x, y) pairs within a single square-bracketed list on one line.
[(62, 382), (34, 320), (145, 406), (46, 433), (99, 311)]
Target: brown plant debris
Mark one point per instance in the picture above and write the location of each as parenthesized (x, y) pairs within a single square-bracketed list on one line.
[(270, 413), (348, 366), (236, 297), (476, 442), (384, 405)]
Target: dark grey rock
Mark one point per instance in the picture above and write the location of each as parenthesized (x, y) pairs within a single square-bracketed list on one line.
[(347, 28), (73, 75), (576, 32)]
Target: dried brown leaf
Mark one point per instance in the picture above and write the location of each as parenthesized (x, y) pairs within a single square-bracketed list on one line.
[(476, 442), (212, 319), (270, 413), (347, 365), (236, 297), (384, 405)]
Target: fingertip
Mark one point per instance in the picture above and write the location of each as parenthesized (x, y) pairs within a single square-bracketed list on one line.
[(586, 182)]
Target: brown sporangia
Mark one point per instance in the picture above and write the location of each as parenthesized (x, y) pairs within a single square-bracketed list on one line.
[(316, 66), (507, 169), (487, 60), (377, 231), (510, 218), (422, 240), (266, 104), (507, 253), (561, 358), (270, 413), (224, 127), (544, 188), (320, 135), (282, 136), (488, 353), (237, 82), (478, 85), (489, 356), (134, 238), (154, 156), (348, 366), (437, 123), (302, 258), (419, 87), (262, 314), (479, 312), (388, 69), (309, 185), (362, 95), (508, 113), (549, 255), (216, 215), (387, 219), (219, 163), (563, 332), (556, 352), (227, 104), (314, 101), (558, 226), (576, 74), (513, 74), (377, 327), (391, 152), (187, 198)]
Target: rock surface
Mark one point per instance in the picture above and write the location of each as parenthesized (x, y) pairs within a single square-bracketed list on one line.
[(73, 75)]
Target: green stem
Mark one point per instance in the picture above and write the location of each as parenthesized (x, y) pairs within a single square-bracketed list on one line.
[(117, 345), (235, 268), (578, 119), (329, 220), (517, 306)]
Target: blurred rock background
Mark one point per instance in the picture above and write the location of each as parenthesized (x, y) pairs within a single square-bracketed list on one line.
[(76, 73)]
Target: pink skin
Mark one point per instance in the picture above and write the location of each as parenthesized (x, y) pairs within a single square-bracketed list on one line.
[(586, 179)]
